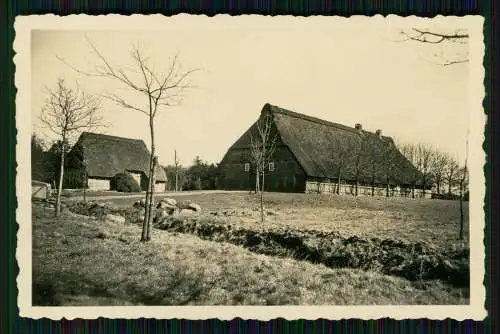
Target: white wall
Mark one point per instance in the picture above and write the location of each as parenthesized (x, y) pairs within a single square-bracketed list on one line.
[(160, 187), (96, 184)]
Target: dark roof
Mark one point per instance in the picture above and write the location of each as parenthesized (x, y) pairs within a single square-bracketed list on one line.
[(107, 155), (314, 143)]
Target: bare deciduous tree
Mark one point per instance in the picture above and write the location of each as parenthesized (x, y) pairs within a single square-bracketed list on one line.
[(66, 113), (463, 181), (424, 163), (262, 147), (435, 37), (342, 154), (409, 151), (372, 156), (176, 164), (390, 164), (439, 164), (158, 90), (357, 163), (451, 173)]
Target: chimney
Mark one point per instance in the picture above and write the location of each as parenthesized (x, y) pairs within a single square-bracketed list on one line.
[(379, 133), (358, 126)]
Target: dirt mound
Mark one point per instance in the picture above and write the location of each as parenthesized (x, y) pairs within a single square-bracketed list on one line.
[(414, 261), (100, 210)]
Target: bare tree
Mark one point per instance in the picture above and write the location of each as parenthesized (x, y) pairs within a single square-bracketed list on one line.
[(66, 113), (357, 162), (409, 151), (424, 164), (342, 154), (390, 164), (463, 181), (451, 172), (439, 164), (372, 156), (441, 38), (158, 90), (262, 147), (176, 164)]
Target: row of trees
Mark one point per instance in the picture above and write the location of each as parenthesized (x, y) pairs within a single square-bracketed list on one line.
[(436, 167), (199, 176)]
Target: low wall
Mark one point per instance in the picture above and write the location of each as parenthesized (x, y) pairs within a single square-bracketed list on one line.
[(347, 189)]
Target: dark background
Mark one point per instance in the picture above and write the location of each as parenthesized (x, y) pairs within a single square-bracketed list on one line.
[(9, 318)]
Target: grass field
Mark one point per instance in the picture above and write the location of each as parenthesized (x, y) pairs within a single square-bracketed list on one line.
[(433, 221), (82, 261)]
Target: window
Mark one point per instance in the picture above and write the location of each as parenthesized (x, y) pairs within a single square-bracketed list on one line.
[(271, 166), (247, 167)]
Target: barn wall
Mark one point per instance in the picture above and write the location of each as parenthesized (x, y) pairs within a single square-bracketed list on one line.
[(287, 176), (99, 184)]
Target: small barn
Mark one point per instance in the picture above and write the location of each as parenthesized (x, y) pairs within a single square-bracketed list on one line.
[(310, 154), (103, 156)]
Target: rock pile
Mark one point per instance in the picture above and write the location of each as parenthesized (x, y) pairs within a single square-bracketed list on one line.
[(169, 208)]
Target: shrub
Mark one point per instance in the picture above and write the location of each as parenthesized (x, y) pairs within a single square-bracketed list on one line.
[(124, 182)]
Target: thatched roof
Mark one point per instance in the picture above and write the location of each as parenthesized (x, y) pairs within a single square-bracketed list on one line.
[(318, 145), (107, 155)]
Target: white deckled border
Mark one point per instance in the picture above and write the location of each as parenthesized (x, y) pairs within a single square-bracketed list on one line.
[(22, 46)]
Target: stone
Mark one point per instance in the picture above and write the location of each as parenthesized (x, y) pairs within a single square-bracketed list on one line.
[(167, 203), (186, 212), (115, 218), (160, 216), (195, 207)]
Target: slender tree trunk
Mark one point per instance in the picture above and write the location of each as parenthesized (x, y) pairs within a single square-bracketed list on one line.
[(338, 185), (424, 182), (145, 236), (262, 199), (449, 186), (438, 184), (84, 185), (257, 182), (61, 177), (387, 188), (461, 212), (152, 182), (176, 171), (373, 184), (356, 186)]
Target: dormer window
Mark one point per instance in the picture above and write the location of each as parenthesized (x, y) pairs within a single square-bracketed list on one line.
[(271, 166), (247, 167)]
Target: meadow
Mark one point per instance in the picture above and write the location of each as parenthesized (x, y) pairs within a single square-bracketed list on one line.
[(311, 250)]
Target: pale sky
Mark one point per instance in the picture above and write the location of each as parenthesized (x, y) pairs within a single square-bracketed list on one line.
[(345, 73)]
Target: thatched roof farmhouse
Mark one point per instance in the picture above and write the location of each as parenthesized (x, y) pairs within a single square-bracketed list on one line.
[(105, 156), (310, 152)]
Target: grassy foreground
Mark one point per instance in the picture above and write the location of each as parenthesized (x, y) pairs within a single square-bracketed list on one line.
[(82, 261)]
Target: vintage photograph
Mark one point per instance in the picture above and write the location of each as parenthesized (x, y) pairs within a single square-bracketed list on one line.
[(252, 161)]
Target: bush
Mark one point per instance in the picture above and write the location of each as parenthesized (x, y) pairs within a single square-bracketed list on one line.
[(124, 182)]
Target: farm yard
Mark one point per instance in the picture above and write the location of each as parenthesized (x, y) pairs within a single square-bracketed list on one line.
[(311, 249)]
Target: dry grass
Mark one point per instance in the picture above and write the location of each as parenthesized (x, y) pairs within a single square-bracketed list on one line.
[(83, 261), (413, 220)]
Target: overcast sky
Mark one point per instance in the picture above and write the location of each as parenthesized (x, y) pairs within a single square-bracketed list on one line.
[(345, 73)]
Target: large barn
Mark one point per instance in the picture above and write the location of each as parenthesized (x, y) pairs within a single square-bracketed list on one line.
[(105, 156), (309, 152)]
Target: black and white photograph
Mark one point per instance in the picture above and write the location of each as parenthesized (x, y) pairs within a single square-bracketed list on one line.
[(251, 166)]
